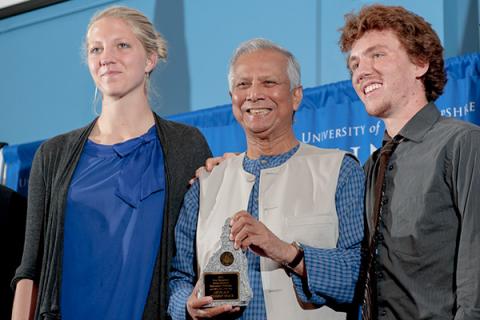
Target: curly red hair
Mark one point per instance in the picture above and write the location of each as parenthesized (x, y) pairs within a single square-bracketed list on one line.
[(414, 33)]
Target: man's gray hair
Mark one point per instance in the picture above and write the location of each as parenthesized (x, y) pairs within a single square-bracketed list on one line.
[(250, 46)]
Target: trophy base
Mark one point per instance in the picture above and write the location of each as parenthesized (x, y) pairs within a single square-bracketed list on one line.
[(234, 303)]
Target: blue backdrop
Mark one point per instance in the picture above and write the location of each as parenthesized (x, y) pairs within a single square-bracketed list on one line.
[(330, 116)]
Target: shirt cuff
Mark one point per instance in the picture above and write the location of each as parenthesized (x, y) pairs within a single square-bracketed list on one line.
[(178, 303), (303, 287)]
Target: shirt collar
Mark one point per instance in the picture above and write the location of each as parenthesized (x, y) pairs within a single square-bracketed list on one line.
[(125, 148), (417, 127), (254, 166), (421, 123)]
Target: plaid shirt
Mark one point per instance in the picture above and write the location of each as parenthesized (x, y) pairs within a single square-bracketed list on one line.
[(332, 273)]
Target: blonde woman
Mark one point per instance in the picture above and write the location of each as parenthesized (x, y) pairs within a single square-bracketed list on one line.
[(104, 199)]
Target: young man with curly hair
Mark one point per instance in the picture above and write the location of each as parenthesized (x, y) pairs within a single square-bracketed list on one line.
[(422, 203)]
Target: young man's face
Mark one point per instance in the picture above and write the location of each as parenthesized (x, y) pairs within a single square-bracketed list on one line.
[(384, 77)]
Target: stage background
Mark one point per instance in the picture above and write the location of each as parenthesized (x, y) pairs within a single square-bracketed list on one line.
[(45, 87), (330, 116)]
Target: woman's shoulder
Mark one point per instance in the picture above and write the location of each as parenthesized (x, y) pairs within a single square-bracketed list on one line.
[(175, 131), (65, 140), (182, 138), (173, 126)]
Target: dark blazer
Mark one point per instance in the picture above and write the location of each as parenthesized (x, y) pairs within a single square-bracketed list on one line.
[(184, 148)]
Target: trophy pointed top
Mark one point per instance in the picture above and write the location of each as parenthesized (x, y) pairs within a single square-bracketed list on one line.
[(226, 231)]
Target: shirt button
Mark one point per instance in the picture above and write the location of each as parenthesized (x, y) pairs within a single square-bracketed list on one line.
[(263, 161), (390, 167), (383, 313), (385, 200)]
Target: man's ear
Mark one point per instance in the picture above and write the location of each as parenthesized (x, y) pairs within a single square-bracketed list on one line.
[(421, 69), (297, 94)]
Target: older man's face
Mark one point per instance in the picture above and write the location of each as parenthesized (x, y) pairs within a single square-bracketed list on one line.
[(261, 98)]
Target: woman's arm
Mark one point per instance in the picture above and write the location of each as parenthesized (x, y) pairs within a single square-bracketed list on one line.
[(26, 289), (25, 300)]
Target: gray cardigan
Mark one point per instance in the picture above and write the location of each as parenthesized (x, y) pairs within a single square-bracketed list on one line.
[(184, 148)]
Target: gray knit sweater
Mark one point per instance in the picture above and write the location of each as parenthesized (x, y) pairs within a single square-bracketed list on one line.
[(184, 148)]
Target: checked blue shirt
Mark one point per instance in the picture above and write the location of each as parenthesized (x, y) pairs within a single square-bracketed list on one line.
[(331, 273)]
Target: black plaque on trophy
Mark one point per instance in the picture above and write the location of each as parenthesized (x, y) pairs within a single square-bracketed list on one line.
[(225, 277), (221, 286)]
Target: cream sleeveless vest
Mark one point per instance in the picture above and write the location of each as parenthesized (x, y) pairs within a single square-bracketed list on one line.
[(296, 202)]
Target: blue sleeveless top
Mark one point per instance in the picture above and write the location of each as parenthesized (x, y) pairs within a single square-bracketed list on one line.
[(113, 226)]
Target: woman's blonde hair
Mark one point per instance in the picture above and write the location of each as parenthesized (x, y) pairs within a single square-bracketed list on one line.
[(152, 41)]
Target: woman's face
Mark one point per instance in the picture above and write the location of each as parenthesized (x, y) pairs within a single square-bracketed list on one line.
[(117, 60)]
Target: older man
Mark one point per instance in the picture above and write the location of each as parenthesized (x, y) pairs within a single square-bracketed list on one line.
[(297, 209), (423, 185)]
